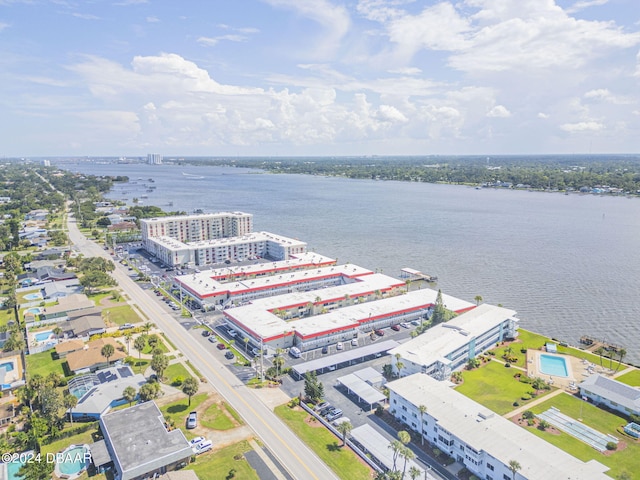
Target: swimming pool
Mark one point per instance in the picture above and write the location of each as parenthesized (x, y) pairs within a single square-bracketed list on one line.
[(554, 365), (42, 336), (12, 469), (34, 310), (72, 461), (33, 296), (8, 366)]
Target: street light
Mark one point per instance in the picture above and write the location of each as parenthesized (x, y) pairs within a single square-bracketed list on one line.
[(426, 475)]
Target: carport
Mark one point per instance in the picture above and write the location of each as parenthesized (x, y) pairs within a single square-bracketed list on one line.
[(365, 392), (377, 445), (347, 357)]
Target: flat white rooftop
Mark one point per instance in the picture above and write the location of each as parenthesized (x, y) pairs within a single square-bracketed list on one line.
[(257, 319), (203, 286), (195, 216), (444, 338), (484, 430), (251, 238)]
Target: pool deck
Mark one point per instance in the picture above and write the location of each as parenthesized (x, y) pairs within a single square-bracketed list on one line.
[(577, 369)]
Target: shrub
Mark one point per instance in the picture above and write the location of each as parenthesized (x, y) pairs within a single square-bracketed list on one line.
[(525, 397), (531, 422), (177, 381), (516, 404), (611, 446), (507, 365), (379, 410), (528, 414)]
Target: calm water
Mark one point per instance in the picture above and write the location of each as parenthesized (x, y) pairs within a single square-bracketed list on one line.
[(568, 264)]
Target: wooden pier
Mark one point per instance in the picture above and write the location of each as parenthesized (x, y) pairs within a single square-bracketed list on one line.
[(592, 344)]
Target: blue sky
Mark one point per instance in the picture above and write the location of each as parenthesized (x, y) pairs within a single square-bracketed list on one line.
[(319, 77)]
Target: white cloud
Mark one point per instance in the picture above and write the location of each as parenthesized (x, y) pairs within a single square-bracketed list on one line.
[(576, 7), (333, 18), (499, 111), (391, 114), (153, 20), (85, 16), (213, 41), (4, 25), (582, 127), (600, 93), (543, 115)]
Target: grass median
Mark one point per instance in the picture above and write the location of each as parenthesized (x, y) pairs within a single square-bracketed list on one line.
[(341, 460)]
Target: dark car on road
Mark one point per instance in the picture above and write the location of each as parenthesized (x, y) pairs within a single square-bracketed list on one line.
[(229, 355), (206, 333), (395, 328)]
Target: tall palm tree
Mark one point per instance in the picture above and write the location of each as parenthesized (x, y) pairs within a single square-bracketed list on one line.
[(128, 336), (107, 351), (422, 409), (146, 328), (599, 351), (622, 353), (57, 332), (70, 402), (414, 472), (344, 428), (407, 454), (478, 299), (514, 466), (395, 446)]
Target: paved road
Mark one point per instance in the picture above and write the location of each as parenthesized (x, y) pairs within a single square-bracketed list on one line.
[(290, 451)]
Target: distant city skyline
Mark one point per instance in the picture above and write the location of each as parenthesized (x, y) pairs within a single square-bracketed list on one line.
[(319, 77)]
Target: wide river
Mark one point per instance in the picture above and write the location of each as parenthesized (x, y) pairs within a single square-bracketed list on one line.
[(568, 264)]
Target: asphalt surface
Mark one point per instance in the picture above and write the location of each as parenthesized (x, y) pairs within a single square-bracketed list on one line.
[(288, 449)]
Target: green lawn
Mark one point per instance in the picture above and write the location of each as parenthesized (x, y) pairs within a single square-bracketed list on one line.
[(217, 465), (99, 296), (87, 437), (631, 378), (494, 386), (175, 370), (121, 315), (161, 345), (180, 409), (139, 366), (215, 418), (604, 422), (342, 461), (43, 363)]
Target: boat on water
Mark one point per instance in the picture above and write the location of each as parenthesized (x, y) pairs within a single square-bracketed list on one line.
[(194, 177)]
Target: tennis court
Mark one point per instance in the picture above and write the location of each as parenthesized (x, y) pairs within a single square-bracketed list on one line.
[(577, 429)]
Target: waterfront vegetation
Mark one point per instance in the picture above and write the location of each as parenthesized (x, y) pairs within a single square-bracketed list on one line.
[(495, 387), (549, 172), (625, 459), (342, 461)]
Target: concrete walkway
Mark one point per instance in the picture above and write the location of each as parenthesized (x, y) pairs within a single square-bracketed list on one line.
[(537, 401)]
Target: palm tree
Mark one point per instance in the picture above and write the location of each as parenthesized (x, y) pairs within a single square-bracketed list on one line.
[(344, 428), (129, 394), (107, 351), (139, 344), (277, 361), (146, 328), (622, 353), (246, 342), (128, 336), (478, 299), (422, 409), (396, 446), (190, 387), (407, 454), (414, 472), (514, 466), (599, 351), (57, 332), (399, 364), (70, 402)]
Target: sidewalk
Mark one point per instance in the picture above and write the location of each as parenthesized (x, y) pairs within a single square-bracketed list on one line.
[(537, 401)]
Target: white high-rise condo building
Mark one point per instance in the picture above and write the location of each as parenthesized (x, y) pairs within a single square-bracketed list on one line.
[(154, 159)]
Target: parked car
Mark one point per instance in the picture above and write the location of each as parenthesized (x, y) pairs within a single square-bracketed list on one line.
[(335, 414), (354, 342), (192, 420), (415, 323), (404, 325), (196, 441), (206, 333), (380, 333), (229, 355), (233, 333), (220, 346), (320, 406), (203, 447), (326, 410), (126, 326), (395, 328), (325, 349), (295, 352)]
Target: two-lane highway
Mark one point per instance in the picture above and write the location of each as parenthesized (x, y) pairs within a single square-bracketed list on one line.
[(291, 452)]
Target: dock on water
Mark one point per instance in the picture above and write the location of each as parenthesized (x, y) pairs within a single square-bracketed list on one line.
[(411, 274), (592, 344)]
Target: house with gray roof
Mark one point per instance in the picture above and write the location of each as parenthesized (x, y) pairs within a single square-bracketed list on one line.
[(140, 445), (613, 394)]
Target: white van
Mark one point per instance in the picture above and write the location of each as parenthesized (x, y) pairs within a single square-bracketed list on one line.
[(295, 352), (203, 447)]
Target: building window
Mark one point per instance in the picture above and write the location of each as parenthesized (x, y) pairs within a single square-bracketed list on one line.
[(490, 467)]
